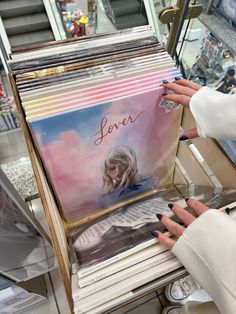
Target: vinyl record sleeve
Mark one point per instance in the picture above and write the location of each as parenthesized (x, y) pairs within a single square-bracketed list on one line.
[(60, 72), (40, 48), (105, 77), (156, 73), (108, 294), (208, 195), (96, 282), (90, 60), (86, 44), (41, 114), (68, 58), (101, 93), (87, 61), (109, 239), (108, 305), (121, 230), (98, 44), (117, 66), (134, 127)]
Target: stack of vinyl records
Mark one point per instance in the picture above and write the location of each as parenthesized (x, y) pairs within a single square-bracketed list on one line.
[(107, 139), (117, 257), (96, 113)]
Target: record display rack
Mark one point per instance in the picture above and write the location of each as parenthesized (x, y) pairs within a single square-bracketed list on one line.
[(194, 172), (198, 162)]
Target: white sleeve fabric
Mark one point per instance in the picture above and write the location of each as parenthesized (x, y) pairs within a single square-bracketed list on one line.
[(214, 114), (207, 249)]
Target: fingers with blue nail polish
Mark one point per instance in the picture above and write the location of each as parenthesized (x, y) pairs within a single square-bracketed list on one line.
[(182, 214), (172, 226), (159, 216), (183, 138), (189, 134), (182, 90), (155, 234), (227, 210)]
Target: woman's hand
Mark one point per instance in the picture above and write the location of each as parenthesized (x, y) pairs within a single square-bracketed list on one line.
[(173, 227), (183, 90)]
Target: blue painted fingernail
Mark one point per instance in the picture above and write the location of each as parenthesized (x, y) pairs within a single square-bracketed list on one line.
[(177, 78), (164, 94), (170, 205), (227, 210), (159, 216), (165, 81), (183, 138), (155, 234), (186, 199)]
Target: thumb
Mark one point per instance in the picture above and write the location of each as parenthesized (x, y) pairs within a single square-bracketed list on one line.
[(189, 134)]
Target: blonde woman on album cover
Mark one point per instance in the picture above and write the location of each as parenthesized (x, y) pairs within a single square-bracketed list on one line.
[(120, 168), (121, 178), (206, 244)]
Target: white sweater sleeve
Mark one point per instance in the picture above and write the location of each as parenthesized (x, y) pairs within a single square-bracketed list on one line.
[(207, 249), (214, 113)]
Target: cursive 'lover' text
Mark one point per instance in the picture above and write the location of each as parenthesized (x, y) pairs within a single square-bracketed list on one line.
[(106, 128)]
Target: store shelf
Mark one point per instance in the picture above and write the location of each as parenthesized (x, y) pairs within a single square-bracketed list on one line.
[(220, 27)]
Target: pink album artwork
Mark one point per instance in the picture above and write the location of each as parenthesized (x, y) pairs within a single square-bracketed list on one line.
[(101, 155), (64, 105), (68, 96), (101, 86)]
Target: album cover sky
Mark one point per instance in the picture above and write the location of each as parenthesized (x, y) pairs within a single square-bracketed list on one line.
[(106, 153)]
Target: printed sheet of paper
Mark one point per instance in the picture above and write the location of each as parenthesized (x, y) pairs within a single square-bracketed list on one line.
[(131, 225), (123, 229)]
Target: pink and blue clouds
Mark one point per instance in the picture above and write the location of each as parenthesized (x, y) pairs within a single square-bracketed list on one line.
[(74, 162)]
